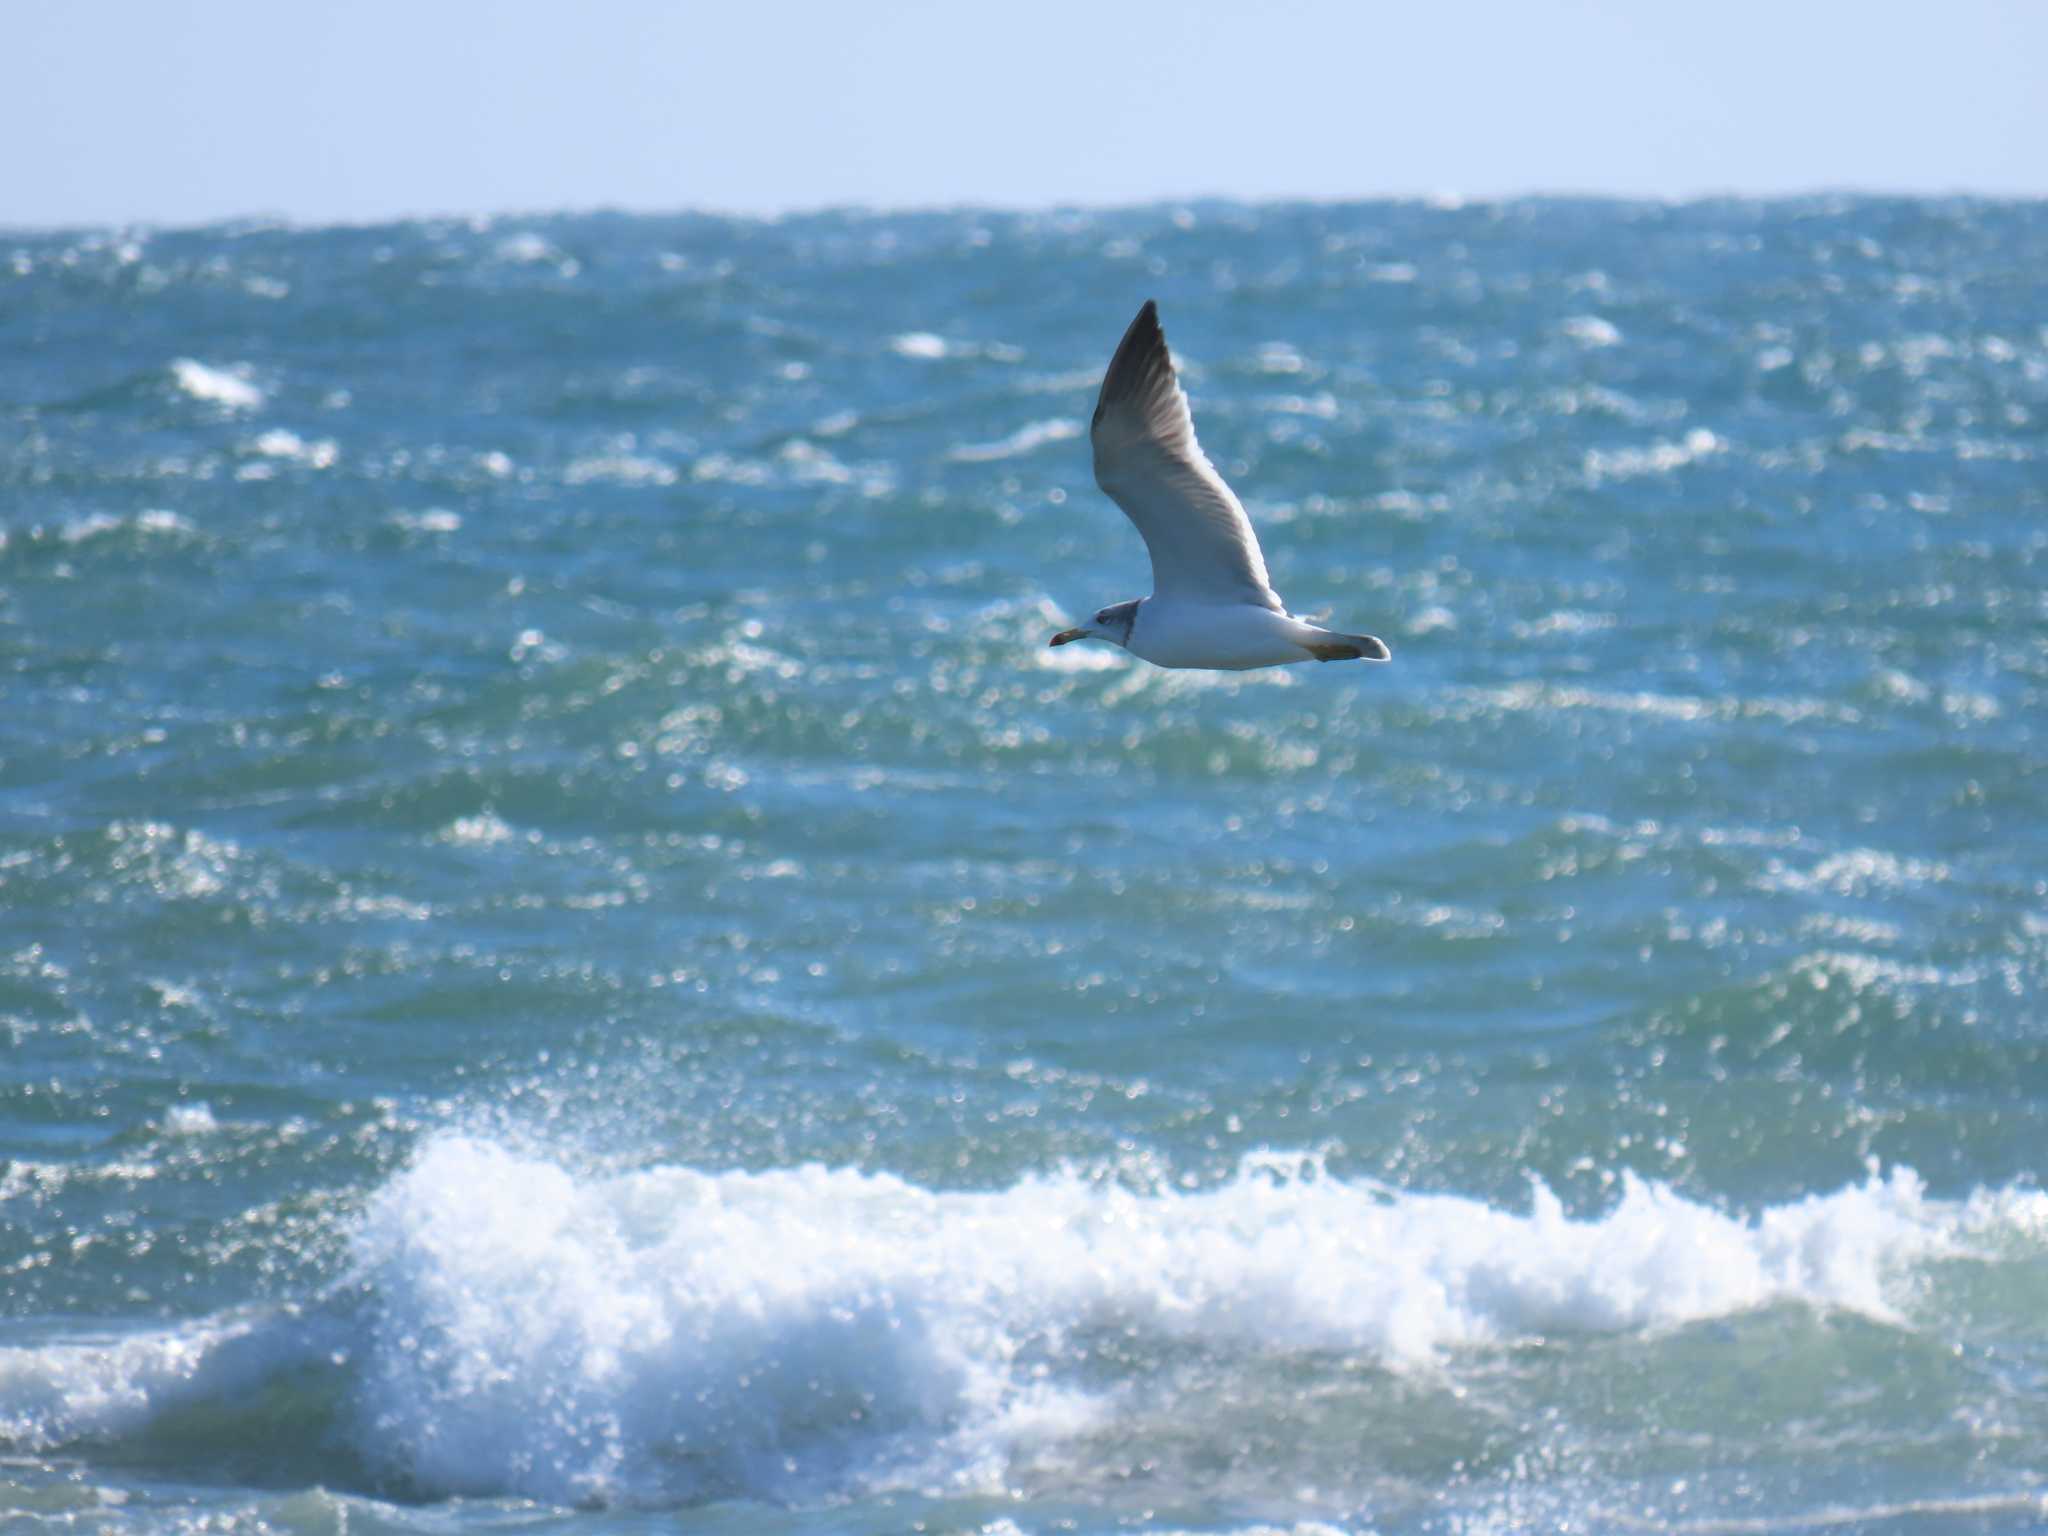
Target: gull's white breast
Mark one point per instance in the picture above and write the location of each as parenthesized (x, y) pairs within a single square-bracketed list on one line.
[(1229, 637)]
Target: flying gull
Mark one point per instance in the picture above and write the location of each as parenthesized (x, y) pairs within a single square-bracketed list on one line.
[(1211, 604)]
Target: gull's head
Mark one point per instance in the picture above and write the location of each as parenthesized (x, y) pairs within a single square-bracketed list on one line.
[(1112, 623)]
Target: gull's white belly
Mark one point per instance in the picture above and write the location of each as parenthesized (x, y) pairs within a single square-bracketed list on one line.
[(1228, 637)]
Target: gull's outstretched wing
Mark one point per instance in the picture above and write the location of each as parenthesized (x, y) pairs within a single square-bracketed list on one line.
[(1147, 459)]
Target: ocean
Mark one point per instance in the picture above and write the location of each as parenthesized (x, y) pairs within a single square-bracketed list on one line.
[(571, 961)]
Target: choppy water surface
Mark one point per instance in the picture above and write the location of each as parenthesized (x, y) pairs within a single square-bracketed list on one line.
[(570, 960)]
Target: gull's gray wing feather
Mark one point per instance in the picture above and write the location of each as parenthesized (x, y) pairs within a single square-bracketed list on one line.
[(1147, 459)]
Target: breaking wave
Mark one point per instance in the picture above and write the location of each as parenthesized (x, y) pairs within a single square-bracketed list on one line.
[(671, 1335)]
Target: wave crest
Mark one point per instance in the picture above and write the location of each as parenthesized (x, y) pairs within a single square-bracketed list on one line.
[(747, 1332), (511, 1326)]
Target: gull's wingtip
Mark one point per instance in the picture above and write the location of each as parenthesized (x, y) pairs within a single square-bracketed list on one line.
[(1336, 647), (1144, 327), (1140, 359)]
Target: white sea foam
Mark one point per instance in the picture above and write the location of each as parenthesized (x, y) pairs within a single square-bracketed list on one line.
[(190, 1119), (96, 524), (574, 1337), (1659, 458), (528, 249), (177, 866), (808, 464), (102, 1385), (1592, 331), (432, 520), (1900, 686), (919, 344), (723, 466), (1564, 621), (1279, 357), (673, 1334), (1856, 872), (1034, 435), (619, 469), (1662, 706), (928, 347), (229, 387), (283, 443), (483, 830), (1322, 405)]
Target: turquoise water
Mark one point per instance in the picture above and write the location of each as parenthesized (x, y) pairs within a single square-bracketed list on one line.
[(570, 960)]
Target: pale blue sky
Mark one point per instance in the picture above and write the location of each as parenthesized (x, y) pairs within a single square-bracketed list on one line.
[(177, 111)]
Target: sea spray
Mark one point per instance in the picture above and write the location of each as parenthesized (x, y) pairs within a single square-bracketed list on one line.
[(683, 1334)]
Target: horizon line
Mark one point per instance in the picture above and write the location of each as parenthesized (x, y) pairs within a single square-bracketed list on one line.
[(1445, 200)]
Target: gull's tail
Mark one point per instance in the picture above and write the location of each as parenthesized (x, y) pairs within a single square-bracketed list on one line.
[(1327, 645)]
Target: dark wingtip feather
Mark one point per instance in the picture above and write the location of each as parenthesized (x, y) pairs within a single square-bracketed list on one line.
[(1139, 358), (1348, 648)]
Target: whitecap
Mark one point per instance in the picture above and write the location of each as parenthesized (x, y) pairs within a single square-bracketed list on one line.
[(919, 344), (1861, 972), (671, 1334), (484, 830), (79, 529), (731, 470), (190, 1119), (1591, 331), (1901, 686), (1322, 405), (1565, 621), (107, 1384), (926, 346), (799, 1329), (1279, 357), (807, 463), (1661, 706), (524, 247), (228, 387), (528, 249), (619, 469), (1026, 438), (1658, 459), (177, 866), (432, 520), (1856, 872), (283, 443), (160, 519)]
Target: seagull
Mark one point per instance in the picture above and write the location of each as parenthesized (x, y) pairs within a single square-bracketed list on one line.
[(1212, 605)]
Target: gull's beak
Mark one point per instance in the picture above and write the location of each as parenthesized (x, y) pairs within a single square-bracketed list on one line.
[(1070, 634)]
